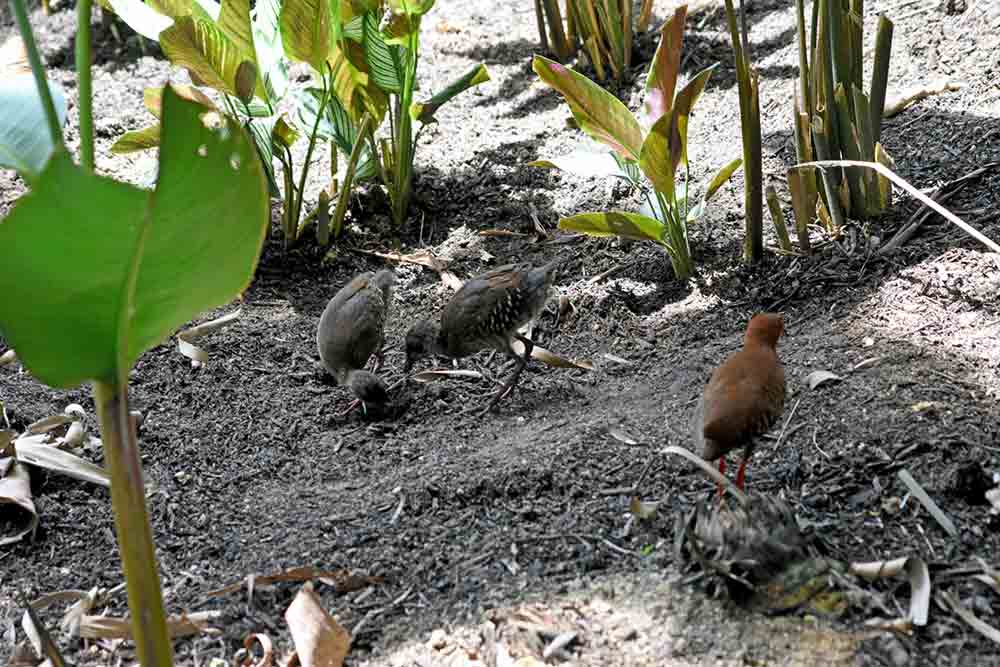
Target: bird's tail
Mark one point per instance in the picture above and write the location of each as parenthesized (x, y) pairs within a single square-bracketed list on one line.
[(368, 386)]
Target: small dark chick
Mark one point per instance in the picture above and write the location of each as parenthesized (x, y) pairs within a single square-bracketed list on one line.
[(352, 329)]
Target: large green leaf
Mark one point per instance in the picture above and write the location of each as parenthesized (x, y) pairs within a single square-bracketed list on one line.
[(353, 84), (661, 81), (383, 59), (270, 52), (665, 147), (234, 22), (598, 113), (25, 141), (686, 99), (335, 125), (199, 45), (104, 270), (307, 31), (615, 223), (657, 159), (424, 111)]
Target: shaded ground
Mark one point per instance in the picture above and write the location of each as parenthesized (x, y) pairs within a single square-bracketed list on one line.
[(251, 469)]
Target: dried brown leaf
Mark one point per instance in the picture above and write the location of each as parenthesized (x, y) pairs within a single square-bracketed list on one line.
[(8, 357), (920, 582), (17, 509), (14, 58), (36, 450), (182, 625), (438, 374), (319, 640), (817, 378), (197, 355)]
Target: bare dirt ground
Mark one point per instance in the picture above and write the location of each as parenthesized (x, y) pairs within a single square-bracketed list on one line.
[(252, 471)]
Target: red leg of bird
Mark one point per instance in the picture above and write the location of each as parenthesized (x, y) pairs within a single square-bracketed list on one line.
[(741, 474)]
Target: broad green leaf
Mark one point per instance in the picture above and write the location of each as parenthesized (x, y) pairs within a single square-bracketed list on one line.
[(355, 28), (353, 85), (615, 223), (133, 265), (657, 160), (424, 112), (583, 163), (661, 81), (336, 125), (246, 80), (234, 22), (141, 17), (25, 142), (270, 52), (686, 99), (137, 140), (262, 132), (383, 59), (598, 113), (307, 31), (200, 46)]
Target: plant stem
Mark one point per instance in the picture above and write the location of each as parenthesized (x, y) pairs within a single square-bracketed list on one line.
[(404, 142), (83, 81), (294, 221), (38, 69), (135, 535)]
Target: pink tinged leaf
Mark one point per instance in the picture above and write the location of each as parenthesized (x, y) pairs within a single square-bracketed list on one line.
[(662, 75)]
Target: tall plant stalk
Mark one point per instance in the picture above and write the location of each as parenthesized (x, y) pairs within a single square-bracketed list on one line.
[(128, 500), (132, 526), (753, 184), (402, 184)]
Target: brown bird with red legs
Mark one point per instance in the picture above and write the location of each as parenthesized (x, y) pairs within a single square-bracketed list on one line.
[(744, 397)]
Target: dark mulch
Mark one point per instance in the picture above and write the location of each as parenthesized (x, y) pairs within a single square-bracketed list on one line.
[(252, 470)]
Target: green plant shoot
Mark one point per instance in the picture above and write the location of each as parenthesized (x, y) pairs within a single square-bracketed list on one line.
[(654, 152)]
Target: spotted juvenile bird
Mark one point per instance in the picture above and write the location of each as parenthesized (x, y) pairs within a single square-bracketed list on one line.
[(352, 328), (486, 313), (744, 397)]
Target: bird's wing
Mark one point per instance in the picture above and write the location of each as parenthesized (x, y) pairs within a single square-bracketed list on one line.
[(349, 291), (485, 304), (738, 405)]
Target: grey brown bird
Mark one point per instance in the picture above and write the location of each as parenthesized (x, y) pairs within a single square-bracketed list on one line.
[(744, 397), (486, 313), (352, 328)]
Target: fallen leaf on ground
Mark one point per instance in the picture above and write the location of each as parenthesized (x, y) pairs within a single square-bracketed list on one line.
[(17, 509), (928, 503), (8, 357), (182, 625), (622, 436), (550, 358), (920, 582), (817, 378), (982, 627), (437, 374), (197, 355), (319, 640), (36, 450)]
